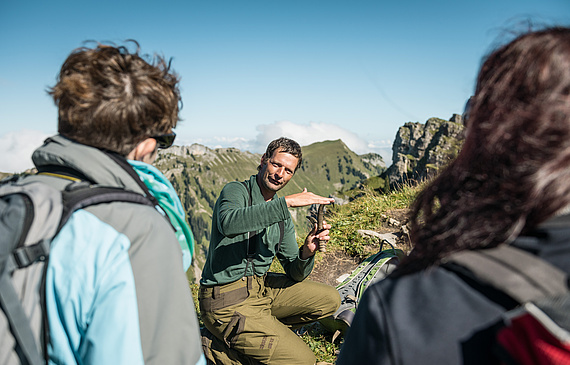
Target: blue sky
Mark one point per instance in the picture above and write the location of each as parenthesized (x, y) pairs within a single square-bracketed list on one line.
[(255, 70)]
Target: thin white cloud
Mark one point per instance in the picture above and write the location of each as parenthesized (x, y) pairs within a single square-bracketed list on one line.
[(16, 149), (381, 144), (305, 134)]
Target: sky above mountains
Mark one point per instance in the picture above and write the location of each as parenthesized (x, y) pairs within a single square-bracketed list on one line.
[(254, 70)]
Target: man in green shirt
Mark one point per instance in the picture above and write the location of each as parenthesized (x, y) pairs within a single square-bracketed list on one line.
[(249, 311)]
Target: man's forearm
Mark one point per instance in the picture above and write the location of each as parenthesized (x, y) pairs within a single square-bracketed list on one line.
[(299, 268)]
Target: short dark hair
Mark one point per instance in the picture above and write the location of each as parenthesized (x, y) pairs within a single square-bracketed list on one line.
[(111, 98), (284, 145), (513, 171)]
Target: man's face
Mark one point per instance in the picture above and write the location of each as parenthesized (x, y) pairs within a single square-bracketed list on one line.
[(277, 170)]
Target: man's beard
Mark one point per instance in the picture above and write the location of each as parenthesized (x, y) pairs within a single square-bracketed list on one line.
[(269, 184)]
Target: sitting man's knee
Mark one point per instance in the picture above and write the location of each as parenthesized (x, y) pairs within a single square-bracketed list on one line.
[(332, 298), (293, 354)]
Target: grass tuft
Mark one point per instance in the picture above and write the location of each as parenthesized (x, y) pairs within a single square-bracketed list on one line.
[(369, 212)]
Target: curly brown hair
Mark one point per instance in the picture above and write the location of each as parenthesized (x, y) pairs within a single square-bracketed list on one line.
[(513, 171), (111, 98)]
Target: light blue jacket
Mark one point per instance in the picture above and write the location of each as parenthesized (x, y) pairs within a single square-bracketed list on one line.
[(116, 292)]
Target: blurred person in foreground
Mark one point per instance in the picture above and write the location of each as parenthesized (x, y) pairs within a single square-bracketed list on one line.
[(116, 289), (511, 178)]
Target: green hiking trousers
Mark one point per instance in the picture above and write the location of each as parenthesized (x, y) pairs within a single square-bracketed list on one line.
[(251, 318)]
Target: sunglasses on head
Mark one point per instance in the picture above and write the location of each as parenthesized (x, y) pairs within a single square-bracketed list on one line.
[(164, 140)]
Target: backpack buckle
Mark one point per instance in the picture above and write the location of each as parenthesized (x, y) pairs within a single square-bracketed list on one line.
[(27, 255)]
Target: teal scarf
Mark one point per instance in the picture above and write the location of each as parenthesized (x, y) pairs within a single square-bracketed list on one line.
[(164, 192)]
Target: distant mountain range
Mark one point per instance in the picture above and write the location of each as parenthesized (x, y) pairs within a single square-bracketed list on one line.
[(199, 173)]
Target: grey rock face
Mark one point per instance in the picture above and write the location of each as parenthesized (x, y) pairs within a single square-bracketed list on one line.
[(419, 150)]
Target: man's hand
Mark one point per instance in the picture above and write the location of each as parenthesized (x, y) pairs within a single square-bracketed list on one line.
[(306, 198), (312, 240)]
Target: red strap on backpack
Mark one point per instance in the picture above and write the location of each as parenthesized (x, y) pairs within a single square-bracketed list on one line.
[(532, 338)]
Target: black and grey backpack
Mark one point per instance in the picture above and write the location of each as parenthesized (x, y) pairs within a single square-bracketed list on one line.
[(31, 215)]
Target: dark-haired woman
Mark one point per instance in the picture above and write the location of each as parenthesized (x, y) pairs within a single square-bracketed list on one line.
[(510, 181)]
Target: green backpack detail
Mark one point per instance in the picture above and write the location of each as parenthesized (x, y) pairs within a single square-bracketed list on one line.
[(374, 268)]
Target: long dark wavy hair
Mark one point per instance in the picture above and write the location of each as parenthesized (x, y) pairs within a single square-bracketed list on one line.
[(513, 171)]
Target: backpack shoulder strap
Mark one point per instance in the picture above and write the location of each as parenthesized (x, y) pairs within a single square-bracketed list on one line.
[(250, 248), (521, 275), (249, 202), (281, 223), (122, 162), (281, 234), (81, 195), (63, 172), (18, 320)]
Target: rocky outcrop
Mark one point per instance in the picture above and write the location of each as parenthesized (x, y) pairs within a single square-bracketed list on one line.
[(419, 150), (185, 151)]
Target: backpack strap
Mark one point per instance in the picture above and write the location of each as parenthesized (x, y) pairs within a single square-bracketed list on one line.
[(521, 275), (81, 195), (90, 197), (19, 323), (251, 248), (122, 161), (77, 176), (281, 234), (63, 172)]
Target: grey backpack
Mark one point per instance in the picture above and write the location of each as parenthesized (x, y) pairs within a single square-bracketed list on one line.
[(537, 331), (31, 215)]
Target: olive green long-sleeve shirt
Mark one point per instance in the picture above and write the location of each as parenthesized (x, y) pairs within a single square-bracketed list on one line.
[(233, 219)]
